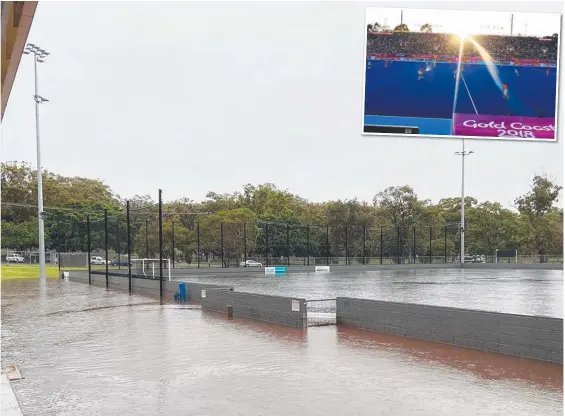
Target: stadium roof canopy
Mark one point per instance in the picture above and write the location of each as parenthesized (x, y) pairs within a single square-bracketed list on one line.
[(17, 17)]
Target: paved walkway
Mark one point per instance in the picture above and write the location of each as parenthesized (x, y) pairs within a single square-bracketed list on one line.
[(9, 403)]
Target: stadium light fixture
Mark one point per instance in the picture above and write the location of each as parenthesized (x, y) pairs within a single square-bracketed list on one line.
[(39, 55)]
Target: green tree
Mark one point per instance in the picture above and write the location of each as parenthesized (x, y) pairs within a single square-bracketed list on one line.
[(426, 28), (400, 208), (544, 221), (231, 221)]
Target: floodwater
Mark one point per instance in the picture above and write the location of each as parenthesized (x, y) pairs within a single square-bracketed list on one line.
[(88, 351), (527, 292)]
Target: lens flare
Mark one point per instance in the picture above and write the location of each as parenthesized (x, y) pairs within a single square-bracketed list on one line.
[(489, 62)]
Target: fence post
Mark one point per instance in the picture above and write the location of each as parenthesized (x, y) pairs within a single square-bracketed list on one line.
[(287, 245), (72, 238), (245, 243), (346, 246), (129, 246), (198, 243), (397, 244), (308, 245), (364, 245), (119, 245), (146, 240), (431, 258), (88, 243), (267, 244), (106, 243), (222, 241), (59, 248), (414, 243), (173, 231), (161, 246), (445, 244), (327, 245), (382, 248)]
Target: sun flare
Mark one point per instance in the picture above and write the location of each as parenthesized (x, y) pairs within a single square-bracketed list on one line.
[(462, 29), (463, 33)]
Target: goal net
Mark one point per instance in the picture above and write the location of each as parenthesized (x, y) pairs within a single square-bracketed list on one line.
[(149, 268)]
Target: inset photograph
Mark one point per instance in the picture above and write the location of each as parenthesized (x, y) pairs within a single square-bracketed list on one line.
[(447, 73)]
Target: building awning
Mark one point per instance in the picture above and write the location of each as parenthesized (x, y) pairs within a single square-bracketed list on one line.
[(17, 17)]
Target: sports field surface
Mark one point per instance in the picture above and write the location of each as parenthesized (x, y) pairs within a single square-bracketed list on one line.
[(395, 94)]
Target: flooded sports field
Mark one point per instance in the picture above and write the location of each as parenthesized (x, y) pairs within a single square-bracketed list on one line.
[(528, 292), (88, 351)]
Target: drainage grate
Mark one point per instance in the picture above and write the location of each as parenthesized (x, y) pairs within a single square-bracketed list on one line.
[(13, 372)]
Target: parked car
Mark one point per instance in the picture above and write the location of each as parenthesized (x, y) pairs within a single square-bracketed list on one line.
[(250, 263), (474, 259), (116, 263), (97, 260), (14, 258)]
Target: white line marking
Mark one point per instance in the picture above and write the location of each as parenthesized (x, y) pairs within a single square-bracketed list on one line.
[(469, 92)]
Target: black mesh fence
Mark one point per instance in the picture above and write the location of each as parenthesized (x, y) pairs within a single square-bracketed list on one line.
[(195, 240)]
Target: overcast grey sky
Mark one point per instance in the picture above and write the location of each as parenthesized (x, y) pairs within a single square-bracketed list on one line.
[(198, 97)]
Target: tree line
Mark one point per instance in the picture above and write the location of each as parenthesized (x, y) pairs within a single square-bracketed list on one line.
[(376, 27), (276, 221)]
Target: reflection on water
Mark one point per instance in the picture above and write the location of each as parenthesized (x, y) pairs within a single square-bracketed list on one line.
[(123, 355), (486, 365), (528, 292)]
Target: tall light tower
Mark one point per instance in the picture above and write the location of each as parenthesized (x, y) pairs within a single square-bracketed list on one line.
[(39, 55), (463, 153)]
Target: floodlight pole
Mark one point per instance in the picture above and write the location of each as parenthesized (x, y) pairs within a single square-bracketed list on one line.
[(39, 55), (463, 153)]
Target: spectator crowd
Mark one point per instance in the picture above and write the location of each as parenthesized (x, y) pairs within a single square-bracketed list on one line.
[(501, 48)]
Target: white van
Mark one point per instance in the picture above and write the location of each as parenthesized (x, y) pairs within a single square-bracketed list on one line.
[(14, 258), (97, 260)]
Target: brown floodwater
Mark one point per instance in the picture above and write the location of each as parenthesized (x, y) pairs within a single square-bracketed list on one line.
[(88, 351)]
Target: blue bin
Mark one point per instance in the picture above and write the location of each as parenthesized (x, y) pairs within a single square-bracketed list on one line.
[(182, 292)]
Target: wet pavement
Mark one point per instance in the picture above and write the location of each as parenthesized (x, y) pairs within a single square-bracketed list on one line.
[(528, 292), (87, 351), (9, 405)]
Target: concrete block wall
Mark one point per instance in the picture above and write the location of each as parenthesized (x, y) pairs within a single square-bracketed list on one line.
[(118, 281), (121, 283), (194, 290), (535, 337), (274, 309)]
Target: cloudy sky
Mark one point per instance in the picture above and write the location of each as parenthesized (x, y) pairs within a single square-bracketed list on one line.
[(198, 97)]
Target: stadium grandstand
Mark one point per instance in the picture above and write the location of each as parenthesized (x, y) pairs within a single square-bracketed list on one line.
[(445, 46)]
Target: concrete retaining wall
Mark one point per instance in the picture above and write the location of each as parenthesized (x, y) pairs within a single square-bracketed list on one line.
[(121, 283), (118, 281), (274, 309), (539, 338), (514, 266), (194, 290)]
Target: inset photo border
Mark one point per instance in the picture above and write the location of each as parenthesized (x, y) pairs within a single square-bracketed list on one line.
[(461, 74)]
